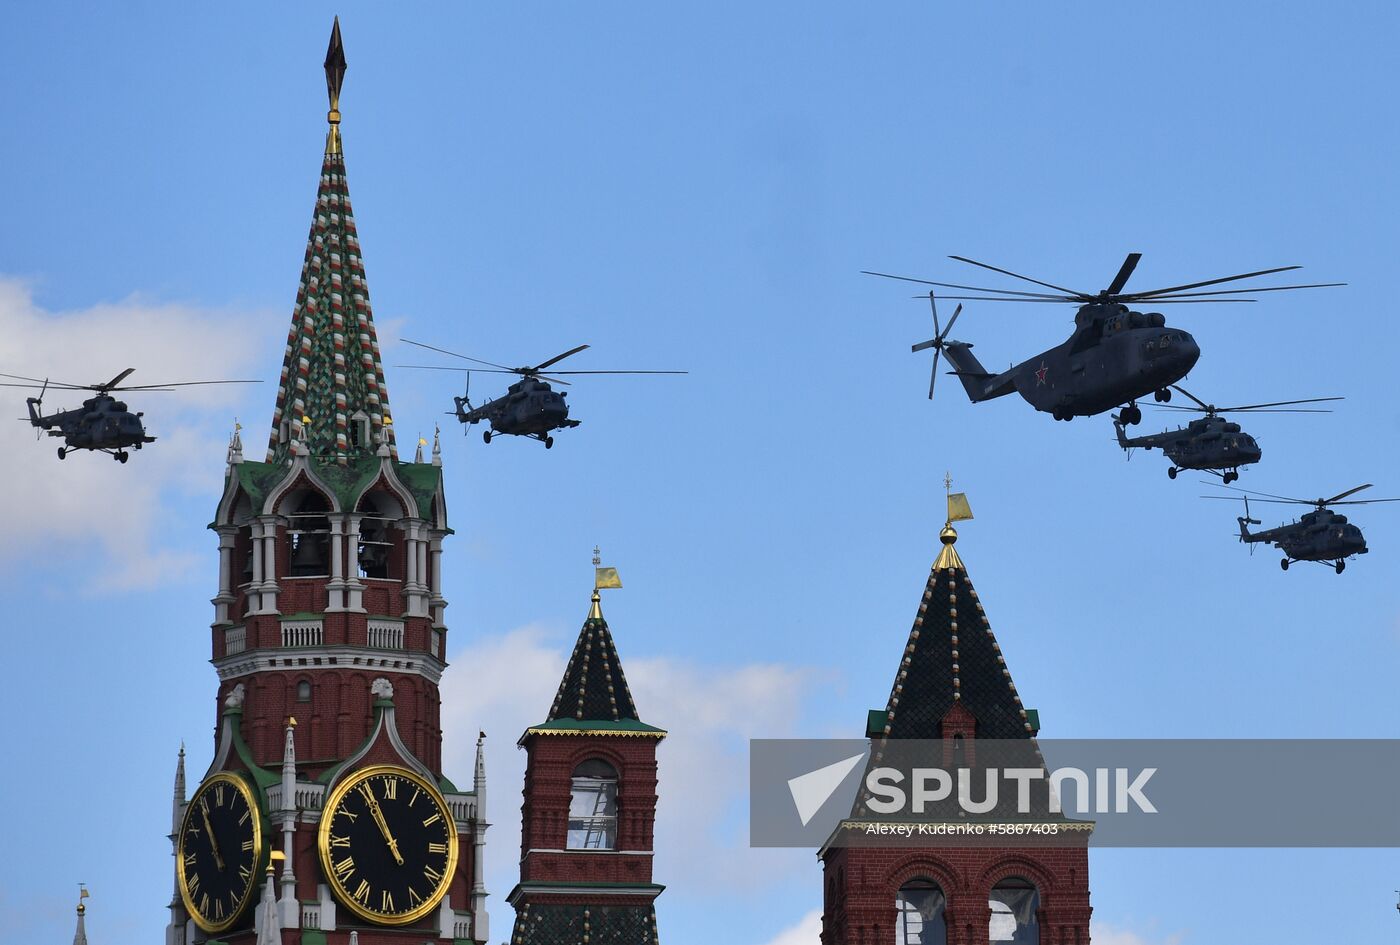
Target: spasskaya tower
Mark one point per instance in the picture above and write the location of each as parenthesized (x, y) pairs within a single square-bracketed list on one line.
[(325, 815)]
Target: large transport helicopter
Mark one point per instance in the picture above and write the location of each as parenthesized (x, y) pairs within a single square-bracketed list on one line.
[(1210, 443), (1320, 535), (1114, 356), (530, 407), (103, 423)]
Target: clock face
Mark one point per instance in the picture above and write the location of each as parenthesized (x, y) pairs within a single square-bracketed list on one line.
[(220, 844), (388, 845)]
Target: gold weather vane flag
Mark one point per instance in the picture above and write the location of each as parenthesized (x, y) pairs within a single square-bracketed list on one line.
[(958, 509)]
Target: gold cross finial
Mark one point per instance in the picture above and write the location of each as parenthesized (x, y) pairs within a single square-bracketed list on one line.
[(597, 559), (948, 483)]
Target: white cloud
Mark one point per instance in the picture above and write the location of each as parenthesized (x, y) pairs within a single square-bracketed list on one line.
[(505, 683), (1102, 933), (89, 502), (806, 932)]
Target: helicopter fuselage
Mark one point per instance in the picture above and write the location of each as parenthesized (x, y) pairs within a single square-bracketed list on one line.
[(530, 407), (102, 423), (1321, 535), (1114, 357), (1209, 442)]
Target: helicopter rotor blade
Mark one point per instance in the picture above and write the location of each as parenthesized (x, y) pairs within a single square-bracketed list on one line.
[(618, 372), (557, 358), (454, 354), (1198, 285), (170, 385), (1124, 273), (1343, 495), (973, 288), (64, 385), (1271, 288), (933, 374), (937, 332), (956, 312), (1181, 390), (1016, 275), (1268, 495), (114, 381), (1285, 403)]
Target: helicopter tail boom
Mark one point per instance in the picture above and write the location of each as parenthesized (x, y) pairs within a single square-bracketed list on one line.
[(979, 383)]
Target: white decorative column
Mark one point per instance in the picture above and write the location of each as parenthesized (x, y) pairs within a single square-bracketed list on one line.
[(228, 536), (336, 585), (270, 589), (436, 602), (481, 925), (354, 588), (288, 908), (255, 586)]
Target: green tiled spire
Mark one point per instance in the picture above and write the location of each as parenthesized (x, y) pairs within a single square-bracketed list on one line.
[(332, 398)]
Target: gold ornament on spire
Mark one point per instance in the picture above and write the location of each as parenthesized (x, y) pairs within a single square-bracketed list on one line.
[(602, 578), (335, 75), (958, 511)]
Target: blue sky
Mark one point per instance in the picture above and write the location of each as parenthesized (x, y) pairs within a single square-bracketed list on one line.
[(695, 186)]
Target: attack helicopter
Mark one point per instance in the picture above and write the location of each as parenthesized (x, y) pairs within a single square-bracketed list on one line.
[(1320, 535), (1114, 356), (103, 423), (1211, 443), (530, 407)]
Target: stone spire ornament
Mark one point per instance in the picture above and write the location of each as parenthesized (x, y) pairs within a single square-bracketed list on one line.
[(80, 936)]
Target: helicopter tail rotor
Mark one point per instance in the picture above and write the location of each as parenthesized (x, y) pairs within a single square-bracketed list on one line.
[(937, 342)]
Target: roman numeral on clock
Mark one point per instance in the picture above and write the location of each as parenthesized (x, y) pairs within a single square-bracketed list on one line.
[(362, 891), (432, 820), (391, 789), (431, 873), (386, 902), (344, 868), (437, 848), (247, 846)]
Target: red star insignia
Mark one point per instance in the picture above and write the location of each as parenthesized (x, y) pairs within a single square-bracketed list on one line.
[(1040, 375)]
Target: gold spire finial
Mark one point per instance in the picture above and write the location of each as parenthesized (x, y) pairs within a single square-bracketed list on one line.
[(958, 511), (82, 894), (335, 75), (602, 577)]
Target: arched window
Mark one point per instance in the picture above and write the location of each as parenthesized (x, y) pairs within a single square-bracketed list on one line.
[(920, 914), (593, 807), (308, 534), (1014, 903), (304, 691)]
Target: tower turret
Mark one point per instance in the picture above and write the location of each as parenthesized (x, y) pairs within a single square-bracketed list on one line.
[(590, 804), (952, 686)]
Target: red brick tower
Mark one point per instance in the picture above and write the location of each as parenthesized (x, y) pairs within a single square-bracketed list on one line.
[(329, 644), (590, 804), (953, 685)]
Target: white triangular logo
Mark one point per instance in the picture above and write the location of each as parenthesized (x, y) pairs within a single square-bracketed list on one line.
[(813, 789)]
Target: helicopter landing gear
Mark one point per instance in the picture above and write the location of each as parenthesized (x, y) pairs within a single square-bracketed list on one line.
[(62, 452), (1341, 565), (1130, 415), (1229, 477), (121, 456), (1162, 396), (1283, 564), (1171, 473), (549, 442), (486, 435)]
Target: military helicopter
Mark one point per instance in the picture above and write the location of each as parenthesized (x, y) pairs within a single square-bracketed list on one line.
[(103, 423), (1210, 443), (529, 407), (1320, 535), (1114, 356)]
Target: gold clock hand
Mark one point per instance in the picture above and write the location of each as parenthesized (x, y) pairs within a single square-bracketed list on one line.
[(379, 820), (213, 843)]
